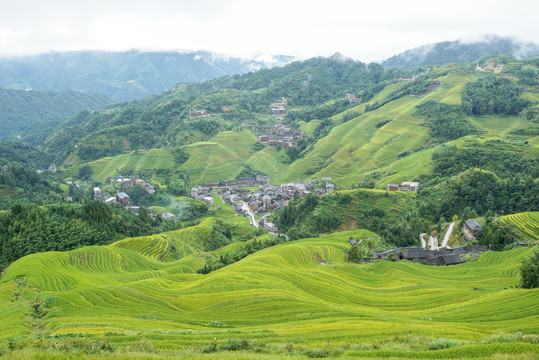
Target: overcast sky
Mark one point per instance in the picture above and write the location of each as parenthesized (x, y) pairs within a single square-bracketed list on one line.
[(364, 30)]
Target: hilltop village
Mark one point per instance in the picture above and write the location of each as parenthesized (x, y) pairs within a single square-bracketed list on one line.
[(277, 135)]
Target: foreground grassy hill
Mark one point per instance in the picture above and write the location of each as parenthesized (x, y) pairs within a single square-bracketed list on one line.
[(298, 299)]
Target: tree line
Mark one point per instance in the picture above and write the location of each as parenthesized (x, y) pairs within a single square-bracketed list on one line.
[(27, 228)]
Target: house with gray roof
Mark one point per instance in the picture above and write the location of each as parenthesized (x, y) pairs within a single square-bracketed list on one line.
[(438, 258), (470, 229)]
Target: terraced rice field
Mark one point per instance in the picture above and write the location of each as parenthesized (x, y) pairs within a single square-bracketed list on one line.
[(219, 159), (526, 224), (298, 299), (109, 167), (358, 147)]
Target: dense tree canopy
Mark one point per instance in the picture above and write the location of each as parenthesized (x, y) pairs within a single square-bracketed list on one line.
[(28, 228), (445, 121), (492, 95), (529, 271)]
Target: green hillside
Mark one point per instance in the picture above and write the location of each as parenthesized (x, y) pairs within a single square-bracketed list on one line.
[(24, 154), (163, 119), (385, 139), (358, 149), (297, 299)]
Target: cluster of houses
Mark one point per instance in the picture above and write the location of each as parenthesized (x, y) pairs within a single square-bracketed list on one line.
[(121, 198), (202, 193), (265, 199), (276, 136), (195, 114), (269, 197), (404, 186), (269, 226), (353, 99), (470, 229), (50, 168), (128, 182), (429, 257), (278, 107)]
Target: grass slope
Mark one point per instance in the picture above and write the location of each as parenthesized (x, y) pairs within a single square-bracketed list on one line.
[(358, 148), (301, 294), (109, 167)]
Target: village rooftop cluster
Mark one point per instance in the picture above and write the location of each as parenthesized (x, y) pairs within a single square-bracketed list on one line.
[(278, 107), (121, 197), (353, 99), (195, 114), (277, 135), (269, 197), (266, 199), (430, 257)]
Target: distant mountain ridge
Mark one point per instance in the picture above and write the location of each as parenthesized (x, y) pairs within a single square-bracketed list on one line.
[(461, 52), (123, 76)]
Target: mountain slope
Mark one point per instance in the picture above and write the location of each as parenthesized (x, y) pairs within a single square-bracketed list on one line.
[(382, 140), (461, 52), (33, 115), (123, 76), (164, 119)]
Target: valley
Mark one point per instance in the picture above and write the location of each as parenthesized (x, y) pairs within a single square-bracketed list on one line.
[(272, 214)]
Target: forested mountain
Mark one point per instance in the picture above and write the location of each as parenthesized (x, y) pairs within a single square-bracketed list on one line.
[(121, 75), (468, 136), (24, 154), (33, 115), (461, 52)]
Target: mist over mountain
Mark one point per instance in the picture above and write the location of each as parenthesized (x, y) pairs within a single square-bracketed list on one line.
[(461, 51), (123, 76)]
